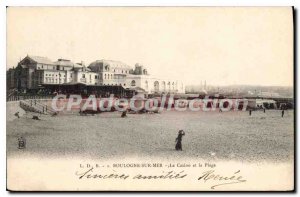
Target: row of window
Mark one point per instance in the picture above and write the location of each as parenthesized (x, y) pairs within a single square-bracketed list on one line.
[(55, 75), (51, 80), (111, 76), (156, 85), (107, 68), (115, 84), (46, 66), (121, 71), (83, 76)]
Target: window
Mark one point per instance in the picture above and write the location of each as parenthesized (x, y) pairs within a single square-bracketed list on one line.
[(124, 84), (96, 77), (42, 66), (132, 83), (71, 75), (105, 76), (156, 86), (83, 75)]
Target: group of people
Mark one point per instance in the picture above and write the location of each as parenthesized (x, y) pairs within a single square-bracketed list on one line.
[(282, 112)]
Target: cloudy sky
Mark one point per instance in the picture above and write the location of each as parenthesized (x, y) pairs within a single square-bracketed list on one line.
[(224, 46)]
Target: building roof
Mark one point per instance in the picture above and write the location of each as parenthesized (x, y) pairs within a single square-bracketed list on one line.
[(41, 60), (112, 63), (77, 66), (61, 62)]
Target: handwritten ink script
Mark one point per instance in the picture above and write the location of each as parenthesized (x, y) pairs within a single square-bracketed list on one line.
[(210, 177)]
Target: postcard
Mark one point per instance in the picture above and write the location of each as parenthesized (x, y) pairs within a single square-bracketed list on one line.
[(150, 99)]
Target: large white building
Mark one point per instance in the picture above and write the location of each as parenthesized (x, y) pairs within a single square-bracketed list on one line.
[(117, 73), (34, 71)]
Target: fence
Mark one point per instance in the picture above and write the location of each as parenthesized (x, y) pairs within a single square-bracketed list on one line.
[(26, 97)]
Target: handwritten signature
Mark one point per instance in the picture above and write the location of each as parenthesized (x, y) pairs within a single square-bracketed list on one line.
[(210, 176)]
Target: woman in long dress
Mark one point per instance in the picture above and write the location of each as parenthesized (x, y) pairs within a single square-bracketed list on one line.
[(179, 139)]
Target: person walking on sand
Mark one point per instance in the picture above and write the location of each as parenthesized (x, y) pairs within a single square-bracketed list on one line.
[(264, 110), (124, 114), (179, 139), (250, 111), (17, 115), (282, 113)]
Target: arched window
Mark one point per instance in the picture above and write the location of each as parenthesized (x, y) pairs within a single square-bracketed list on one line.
[(132, 83), (163, 86), (104, 76), (146, 85), (156, 86)]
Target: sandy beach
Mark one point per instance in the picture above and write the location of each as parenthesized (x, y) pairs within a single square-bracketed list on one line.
[(209, 135)]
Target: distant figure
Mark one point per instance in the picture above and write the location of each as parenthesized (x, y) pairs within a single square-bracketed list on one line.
[(179, 139), (250, 112), (282, 113), (264, 110), (220, 110), (17, 115), (36, 118), (21, 143), (124, 114)]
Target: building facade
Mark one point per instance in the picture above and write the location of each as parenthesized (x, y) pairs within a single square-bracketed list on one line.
[(34, 71), (117, 73)]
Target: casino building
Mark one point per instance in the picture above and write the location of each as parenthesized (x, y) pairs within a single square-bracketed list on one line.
[(35, 72), (117, 73)]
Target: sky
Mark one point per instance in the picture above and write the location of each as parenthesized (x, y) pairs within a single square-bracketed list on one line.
[(224, 46)]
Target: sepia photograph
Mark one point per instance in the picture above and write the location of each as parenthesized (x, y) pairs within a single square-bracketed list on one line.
[(150, 98)]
